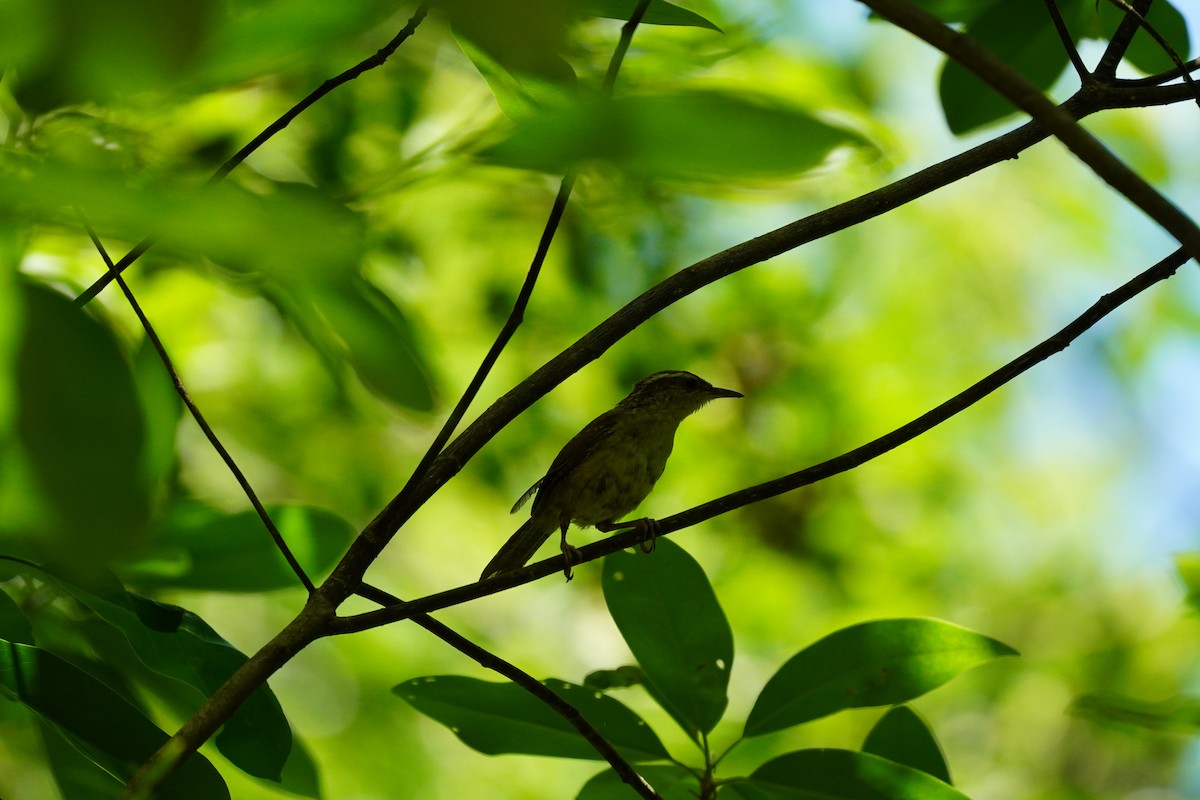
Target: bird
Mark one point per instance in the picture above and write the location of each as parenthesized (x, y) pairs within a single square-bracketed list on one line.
[(607, 469)]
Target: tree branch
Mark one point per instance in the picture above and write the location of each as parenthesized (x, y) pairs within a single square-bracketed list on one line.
[(1064, 35), (1180, 67), (380, 56), (1118, 44), (1022, 94), (186, 397), (378, 532), (489, 660), (753, 494)]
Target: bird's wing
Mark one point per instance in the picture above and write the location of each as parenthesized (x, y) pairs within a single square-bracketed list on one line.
[(530, 492), (573, 453)]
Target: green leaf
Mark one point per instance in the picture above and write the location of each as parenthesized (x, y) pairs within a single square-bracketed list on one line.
[(1179, 714), (829, 774), (1021, 33), (14, 625), (671, 782), (110, 731), (902, 736), (199, 547), (878, 663), (952, 10), (620, 678), (163, 410), (103, 51), (1188, 567), (301, 775), (669, 616), (175, 642), (379, 341), (81, 425), (76, 775), (288, 233), (660, 12), (518, 95), (496, 718), (522, 37), (688, 136)]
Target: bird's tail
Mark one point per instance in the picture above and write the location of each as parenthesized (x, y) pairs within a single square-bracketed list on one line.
[(520, 547)]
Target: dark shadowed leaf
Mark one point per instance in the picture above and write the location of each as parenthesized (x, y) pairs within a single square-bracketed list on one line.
[(660, 12), (76, 775), (496, 718), (199, 547), (378, 340), (111, 732), (81, 424), (671, 782), (878, 663), (619, 678), (175, 642), (902, 736), (693, 136), (1021, 33), (14, 625), (669, 616), (162, 410), (519, 95), (81, 51), (842, 775)]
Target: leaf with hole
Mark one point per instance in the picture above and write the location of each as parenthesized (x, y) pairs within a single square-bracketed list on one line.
[(669, 616)]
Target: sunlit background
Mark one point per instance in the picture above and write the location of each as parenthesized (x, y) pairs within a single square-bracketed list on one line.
[(1047, 516)]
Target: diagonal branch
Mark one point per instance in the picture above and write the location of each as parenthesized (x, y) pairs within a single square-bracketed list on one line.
[(379, 531), (517, 314), (1025, 96), (380, 56), (1139, 19), (834, 466), (209, 433), (491, 661), (1118, 43), (1064, 35)]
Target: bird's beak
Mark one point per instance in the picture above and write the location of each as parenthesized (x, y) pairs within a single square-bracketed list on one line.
[(717, 391)]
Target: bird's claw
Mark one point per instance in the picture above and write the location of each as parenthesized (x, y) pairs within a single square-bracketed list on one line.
[(649, 528), (571, 557)]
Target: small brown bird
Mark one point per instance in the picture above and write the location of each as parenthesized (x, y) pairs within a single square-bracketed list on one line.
[(608, 468)]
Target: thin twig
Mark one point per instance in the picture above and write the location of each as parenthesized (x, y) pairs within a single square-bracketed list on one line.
[(596, 342), (1025, 96), (403, 498), (1118, 44), (1162, 42), (211, 435), (275, 127), (834, 466), (1064, 35), (1157, 80), (489, 660)]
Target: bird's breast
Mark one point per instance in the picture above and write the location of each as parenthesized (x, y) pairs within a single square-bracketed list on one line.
[(615, 479)]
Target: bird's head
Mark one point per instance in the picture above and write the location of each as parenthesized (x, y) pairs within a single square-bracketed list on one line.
[(674, 393)]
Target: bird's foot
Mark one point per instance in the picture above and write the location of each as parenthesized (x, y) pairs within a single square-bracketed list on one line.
[(571, 557), (649, 529)]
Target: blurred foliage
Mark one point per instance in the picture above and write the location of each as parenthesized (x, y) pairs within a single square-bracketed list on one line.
[(328, 301)]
